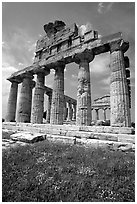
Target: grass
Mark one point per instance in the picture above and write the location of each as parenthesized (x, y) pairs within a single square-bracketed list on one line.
[(50, 172)]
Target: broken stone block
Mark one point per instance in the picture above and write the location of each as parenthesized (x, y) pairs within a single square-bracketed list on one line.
[(28, 137)]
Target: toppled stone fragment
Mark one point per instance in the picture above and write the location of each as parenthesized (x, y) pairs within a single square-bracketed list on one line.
[(28, 137)]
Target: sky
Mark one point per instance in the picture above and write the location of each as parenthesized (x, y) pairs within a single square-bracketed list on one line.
[(22, 26)]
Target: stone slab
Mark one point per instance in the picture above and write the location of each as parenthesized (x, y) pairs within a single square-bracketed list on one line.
[(71, 134), (27, 137), (45, 127)]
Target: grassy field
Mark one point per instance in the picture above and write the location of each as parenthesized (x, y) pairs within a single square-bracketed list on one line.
[(47, 171)]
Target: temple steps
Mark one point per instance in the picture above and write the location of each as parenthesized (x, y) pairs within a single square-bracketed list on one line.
[(113, 138)]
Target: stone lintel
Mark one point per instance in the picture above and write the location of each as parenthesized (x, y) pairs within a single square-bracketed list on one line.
[(86, 56), (20, 77), (119, 45), (101, 45), (15, 79), (100, 107)]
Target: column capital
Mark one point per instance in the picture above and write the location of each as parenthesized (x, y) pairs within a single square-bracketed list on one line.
[(59, 66), (119, 45), (87, 56), (27, 75), (96, 109), (15, 79), (42, 69)]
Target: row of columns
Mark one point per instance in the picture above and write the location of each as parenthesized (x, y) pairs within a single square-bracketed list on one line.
[(119, 102), (69, 109), (97, 113)]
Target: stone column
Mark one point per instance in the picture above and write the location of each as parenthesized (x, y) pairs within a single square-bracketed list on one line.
[(104, 113), (74, 112), (70, 112), (49, 108), (119, 99), (38, 101), (97, 114), (83, 90), (65, 110), (24, 106), (57, 106), (12, 102)]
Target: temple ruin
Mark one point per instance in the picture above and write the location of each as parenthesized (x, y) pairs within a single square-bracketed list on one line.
[(60, 46)]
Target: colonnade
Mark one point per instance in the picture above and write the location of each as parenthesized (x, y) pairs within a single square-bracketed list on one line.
[(69, 107), (119, 101), (97, 115)]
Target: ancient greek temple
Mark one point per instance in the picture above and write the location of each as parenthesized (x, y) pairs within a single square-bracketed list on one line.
[(60, 46)]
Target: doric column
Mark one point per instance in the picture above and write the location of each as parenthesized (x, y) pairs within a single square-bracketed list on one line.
[(70, 111), (57, 106), (24, 106), (104, 113), (38, 101), (119, 99), (49, 108), (83, 90), (12, 102), (65, 110), (97, 114), (74, 112)]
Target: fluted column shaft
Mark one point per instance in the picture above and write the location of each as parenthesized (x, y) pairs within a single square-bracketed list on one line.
[(74, 112), (97, 114), (104, 113), (119, 99), (38, 101), (83, 116), (49, 108), (65, 110), (24, 106), (12, 102), (70, 111), (57, 107)]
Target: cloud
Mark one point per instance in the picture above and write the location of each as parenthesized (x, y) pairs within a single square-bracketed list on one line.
[(106, 81), (18, 48), (85, 28), (100, 65), (104, 7), (50, 79), (100, 7), (17, 53), (7, 70)]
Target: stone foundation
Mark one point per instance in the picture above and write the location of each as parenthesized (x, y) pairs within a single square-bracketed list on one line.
[(111, 137)]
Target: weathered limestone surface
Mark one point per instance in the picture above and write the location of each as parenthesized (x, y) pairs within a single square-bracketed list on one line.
[(38, 102), (27, 137), (104, 111), (119, 99), (70, 111), (99, 46), (49, 108), (66, 45), (65, 110), (12, 101), (47, 127), (74, 112), (115, 139), (83, 89), (97, 114), (57, 107), (24, 107)]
